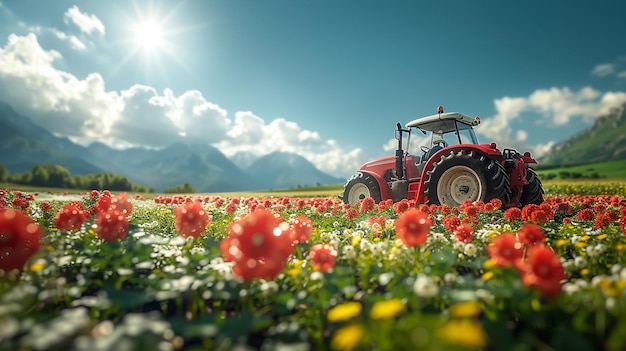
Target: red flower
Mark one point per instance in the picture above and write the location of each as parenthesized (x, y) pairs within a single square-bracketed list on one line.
[(451, 222), (412, 227), (190, 219), (302, 229), (586, 214), (464, 233), (19, 239), (505, 250), (543, 270), (367, 204), (45, 206), (122, 202), (102, 204), (69, 218), (531, 234), (352, 213), (539, 217), (259, 244), (401, 206), (471, 211), (111, 225), (323, 257), (512, 214)]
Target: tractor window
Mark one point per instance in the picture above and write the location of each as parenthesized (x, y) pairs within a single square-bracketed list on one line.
[(466, 133)]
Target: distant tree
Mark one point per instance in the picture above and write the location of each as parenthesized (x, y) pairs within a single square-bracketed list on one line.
[(40, 175), (59, 177), (4, 173), (184, 188)]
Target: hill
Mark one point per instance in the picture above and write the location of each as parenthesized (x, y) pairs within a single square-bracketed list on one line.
[(604, 141)]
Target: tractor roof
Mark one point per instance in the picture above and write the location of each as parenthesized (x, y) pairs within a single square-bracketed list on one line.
[(442, 122)]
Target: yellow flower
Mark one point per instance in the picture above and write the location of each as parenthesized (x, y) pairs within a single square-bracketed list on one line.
[(584, 238), (356, 240), (466, 332), (344, 312), (584, 272), (489, 264), (37, 266), (602, 236), (294, 271), (487, 275), (581, 244), (386, 309), (466, 309), (347, 337), (562, 242)]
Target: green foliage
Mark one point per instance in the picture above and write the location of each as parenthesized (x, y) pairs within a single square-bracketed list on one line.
[(55, 176), (4, 173), (184, 188), (603, 170)]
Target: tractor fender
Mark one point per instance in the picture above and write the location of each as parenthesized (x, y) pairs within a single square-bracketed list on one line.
[(488, 149), (385, 191)]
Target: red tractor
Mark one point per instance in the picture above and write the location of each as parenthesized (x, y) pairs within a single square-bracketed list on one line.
[(452, 169)]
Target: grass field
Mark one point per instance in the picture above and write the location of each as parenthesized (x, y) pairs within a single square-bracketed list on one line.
[(615, 170)]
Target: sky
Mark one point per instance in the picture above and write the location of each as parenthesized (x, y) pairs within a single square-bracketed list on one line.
[(327, 79)]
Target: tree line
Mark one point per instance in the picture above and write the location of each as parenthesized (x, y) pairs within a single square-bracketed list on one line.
[(56, 176)]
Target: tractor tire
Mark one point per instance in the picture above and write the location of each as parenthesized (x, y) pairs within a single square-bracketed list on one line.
[(466, 175), (532, 193), (360, 186)]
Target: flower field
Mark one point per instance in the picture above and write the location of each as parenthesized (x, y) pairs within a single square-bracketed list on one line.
[(103, 271)]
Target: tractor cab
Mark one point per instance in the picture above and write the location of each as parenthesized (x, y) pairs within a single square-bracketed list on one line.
[(439, 131)]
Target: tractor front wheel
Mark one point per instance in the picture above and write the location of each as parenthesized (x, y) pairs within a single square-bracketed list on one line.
[(360, 186), (532, 193), (466, 175)]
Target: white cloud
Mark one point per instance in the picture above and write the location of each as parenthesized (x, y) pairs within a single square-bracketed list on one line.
[(621, 74), (83, 110), (74, 41), (603, 70), (86, 23), (552, 108)]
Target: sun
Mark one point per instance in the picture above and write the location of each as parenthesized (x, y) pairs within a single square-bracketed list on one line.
[(149, 35)]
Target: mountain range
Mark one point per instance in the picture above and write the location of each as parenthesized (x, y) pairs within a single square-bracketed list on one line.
[(24, 144)]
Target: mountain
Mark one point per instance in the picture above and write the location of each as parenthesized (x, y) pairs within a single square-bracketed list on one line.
[(203, 166), (605, 140), (287, 170), (23, 144)]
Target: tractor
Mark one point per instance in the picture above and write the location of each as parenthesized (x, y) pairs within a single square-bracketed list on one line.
[(452, 168)]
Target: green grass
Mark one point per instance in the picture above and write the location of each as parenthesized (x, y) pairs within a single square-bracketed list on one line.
[(614, 170)]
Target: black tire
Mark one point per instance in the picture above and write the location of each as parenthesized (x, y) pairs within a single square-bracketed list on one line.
[(360, 186), (466, 175), (532, 193)]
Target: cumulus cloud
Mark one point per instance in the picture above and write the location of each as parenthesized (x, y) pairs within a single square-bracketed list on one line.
[(84, 111), (86, 23), (555, 107)]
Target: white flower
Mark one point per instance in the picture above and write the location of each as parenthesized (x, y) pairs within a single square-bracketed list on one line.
[(424, 286), (570, 289), (348, 252), (470, 249), (449, 278), (580, 262)]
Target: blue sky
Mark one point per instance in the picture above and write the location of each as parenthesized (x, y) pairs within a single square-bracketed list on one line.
[(325, 79)]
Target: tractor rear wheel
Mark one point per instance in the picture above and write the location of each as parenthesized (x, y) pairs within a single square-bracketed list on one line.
[(532, 193), (466, 175), (360, 186)]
